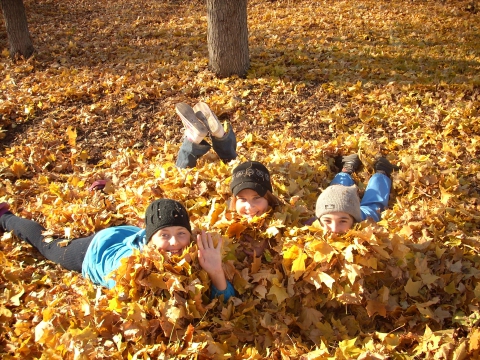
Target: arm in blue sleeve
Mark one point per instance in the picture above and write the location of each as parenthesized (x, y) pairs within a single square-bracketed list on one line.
[(376, 196), (227, 293)]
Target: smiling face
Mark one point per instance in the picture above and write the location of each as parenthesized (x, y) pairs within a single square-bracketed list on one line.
[(249, 204), (337, 222), (171, 239)]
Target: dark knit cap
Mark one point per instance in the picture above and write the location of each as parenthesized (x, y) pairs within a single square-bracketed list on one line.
[(251, 175), (165, 212)]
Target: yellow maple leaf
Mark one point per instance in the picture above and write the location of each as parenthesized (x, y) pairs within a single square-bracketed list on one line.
[(155, 281), (475, 340), (292, 252), (43, 331), (278, 291), (428, 279), (72, 136), (450, 288), (320, 278), (413, 287), (406, 230), (353, 271), (298, 266), (349, 349), (445, 196), (18, 168), (115, 304)]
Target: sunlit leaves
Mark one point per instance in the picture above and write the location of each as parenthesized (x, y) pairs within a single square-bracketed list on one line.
[(368, 77)]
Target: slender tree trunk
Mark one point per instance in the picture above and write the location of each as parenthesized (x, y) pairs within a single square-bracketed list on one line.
[(19, 38), (227, 37)]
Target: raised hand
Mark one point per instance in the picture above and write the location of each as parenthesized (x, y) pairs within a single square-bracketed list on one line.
[(210, 259)]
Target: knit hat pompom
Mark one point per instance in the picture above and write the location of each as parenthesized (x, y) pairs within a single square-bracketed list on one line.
[(339, 198), (163, 213), (251, 175)]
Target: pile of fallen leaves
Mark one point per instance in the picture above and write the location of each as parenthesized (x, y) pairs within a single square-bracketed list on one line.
[(396, 78)]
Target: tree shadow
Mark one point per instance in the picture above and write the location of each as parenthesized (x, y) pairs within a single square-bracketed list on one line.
[(115, 37), (109, 42), (378, 58), (112, 34)]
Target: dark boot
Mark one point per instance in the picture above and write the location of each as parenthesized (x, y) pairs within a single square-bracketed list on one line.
[(350, 163), (385, 167)]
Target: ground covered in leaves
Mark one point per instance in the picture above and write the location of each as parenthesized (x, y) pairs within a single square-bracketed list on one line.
[(398, 78)]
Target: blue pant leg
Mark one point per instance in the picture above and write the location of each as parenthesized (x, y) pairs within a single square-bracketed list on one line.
[(226, 147), (376, 196), (190, 152), (342, 178)]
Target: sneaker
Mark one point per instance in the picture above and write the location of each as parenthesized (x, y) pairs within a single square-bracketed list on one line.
[(195, 129), (350, 163), (385, 167), (214, 125)]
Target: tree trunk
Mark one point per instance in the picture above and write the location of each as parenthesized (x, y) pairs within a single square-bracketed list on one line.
[(19, 38), (227, 37)]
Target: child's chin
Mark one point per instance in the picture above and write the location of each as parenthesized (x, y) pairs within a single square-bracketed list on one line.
[(174, 252)]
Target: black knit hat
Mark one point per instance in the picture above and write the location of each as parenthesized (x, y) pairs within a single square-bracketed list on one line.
[(251, 175), (165, 212)]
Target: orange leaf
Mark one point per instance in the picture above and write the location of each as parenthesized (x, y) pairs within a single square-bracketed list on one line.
[(72, 136), (235, 229), (376, 307)]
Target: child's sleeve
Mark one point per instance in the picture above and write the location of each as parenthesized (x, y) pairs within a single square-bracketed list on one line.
[(227, 293)]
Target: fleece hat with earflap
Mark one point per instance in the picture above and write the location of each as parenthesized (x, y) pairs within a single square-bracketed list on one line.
[(339, 198), (163, 213), (251, 175)]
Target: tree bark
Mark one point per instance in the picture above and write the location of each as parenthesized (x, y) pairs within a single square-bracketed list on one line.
[(227, 37), (19, 39)]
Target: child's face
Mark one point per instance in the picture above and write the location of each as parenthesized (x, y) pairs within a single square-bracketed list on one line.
[(338, 222), (172, 239), (249, 204)]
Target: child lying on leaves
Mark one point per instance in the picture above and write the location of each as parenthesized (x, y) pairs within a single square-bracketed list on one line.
[(252, 199), (338, 207), (96, 256)]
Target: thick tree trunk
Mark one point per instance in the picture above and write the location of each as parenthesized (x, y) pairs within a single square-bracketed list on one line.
[(19, 38), (227, 37)]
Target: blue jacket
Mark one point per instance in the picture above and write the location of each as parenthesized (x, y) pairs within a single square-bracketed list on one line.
[(109, 246)]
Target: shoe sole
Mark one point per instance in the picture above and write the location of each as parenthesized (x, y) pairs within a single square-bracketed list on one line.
[(213, 123), (190, 120)]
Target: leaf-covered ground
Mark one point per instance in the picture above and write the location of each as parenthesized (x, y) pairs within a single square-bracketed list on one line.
[(401, 78)]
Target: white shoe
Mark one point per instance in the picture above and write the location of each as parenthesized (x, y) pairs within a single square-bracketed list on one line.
[(195, 129), (214, 125)]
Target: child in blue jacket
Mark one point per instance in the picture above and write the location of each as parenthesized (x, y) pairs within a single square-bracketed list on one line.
[(167, 229), (339, 207)]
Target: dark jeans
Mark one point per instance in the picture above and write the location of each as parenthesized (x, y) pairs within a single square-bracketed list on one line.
[(70, 256), (190, 152)]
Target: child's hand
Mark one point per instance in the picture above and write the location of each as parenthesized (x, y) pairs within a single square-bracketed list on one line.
[(210, 259), (209, 256)]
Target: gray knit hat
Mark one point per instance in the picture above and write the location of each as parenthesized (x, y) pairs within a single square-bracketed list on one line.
[(165, 212), (339, 198)]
